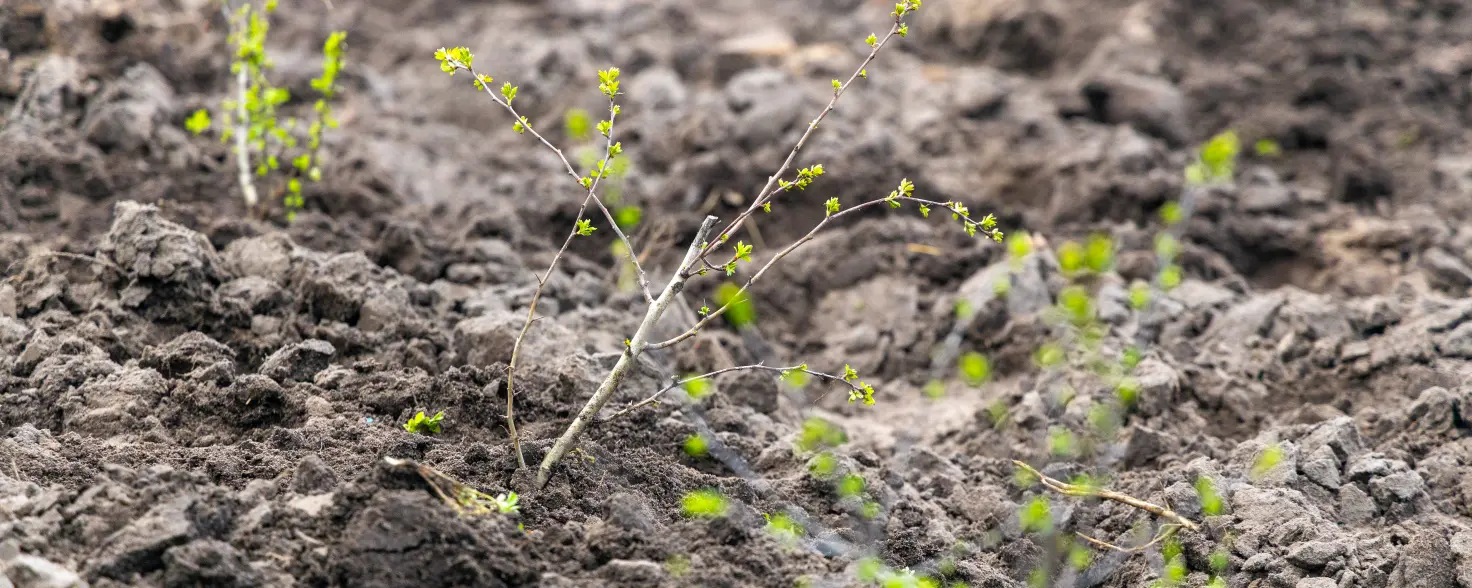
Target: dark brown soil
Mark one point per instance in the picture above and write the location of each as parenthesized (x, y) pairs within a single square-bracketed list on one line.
[(190, 397)]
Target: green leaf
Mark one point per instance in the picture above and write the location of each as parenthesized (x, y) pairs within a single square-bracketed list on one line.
[(1221, 151), (696, 446), (1036, 517), (1170, 213), (1062, 443), (1266, 462), (1070, 257), (975, 368), (1211, 500), (818, 433), (740, 311), (1077, 304), (198, 122), (1049, 355), (585, 227), (1128, 391), (704, 503), (1131, 358), (1139, 295), (872, 40), (831, 205), (850, 485), (422, 425), (1267, 148), (783, 528), (1170, 277), (628, 216), (1099, 253), (698, 388)]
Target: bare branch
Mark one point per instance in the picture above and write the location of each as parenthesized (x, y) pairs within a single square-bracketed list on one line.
[(790, 248), (770, 189), (542, 280), (577, 177)]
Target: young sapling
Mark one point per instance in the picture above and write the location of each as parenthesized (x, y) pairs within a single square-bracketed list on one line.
[(265, 145)]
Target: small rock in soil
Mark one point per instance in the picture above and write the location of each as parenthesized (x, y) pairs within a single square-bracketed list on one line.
[(313, 476), (1314, 555), (1425, 563), (298, 362), (208, 562), (139, 547)]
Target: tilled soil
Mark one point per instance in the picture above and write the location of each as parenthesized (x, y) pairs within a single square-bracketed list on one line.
[(190, 397)]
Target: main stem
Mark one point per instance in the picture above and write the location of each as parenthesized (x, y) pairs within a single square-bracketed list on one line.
[(626, 360), (242, 126)]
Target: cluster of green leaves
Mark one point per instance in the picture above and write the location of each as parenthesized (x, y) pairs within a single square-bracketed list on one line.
[(425, 425), (507, 503), (805, 177), (269, 140), (578, 126), (1216, 161)]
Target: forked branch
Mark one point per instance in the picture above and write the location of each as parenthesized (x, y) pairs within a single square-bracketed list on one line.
[(1176, 521), (986, 225), (460, 59), (632, 349), (769, 191)]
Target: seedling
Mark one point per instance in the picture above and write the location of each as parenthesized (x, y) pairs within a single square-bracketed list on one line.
[(422, 425), (265, 145), (701, 257), (506, 503)]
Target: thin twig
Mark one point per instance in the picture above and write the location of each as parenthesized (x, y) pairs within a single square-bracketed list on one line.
[(572, 171), (531, 311), (770, 189), (1166, 532), (790, 248), (1177, 521), (653, 398)]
